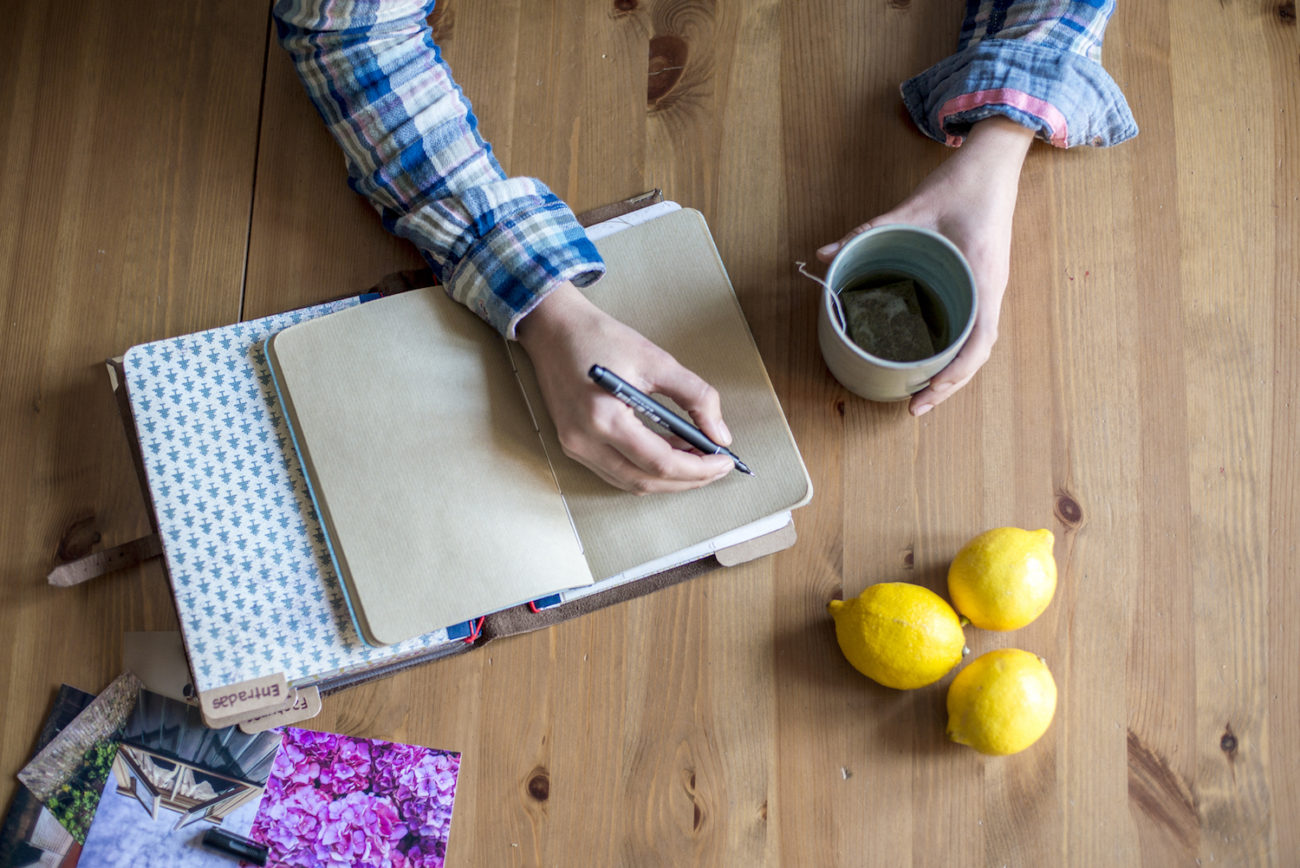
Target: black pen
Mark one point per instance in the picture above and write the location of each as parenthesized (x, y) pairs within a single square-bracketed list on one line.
[(236, 846), (661, 415)]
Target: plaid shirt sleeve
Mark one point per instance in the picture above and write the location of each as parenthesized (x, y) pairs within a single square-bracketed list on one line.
[(1037, 62), (412, 147)]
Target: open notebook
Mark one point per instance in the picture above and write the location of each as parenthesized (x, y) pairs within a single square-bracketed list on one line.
[(261, 609), (438, 477)]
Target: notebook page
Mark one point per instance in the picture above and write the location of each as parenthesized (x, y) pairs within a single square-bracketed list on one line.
[(427, 469), (665, 280)]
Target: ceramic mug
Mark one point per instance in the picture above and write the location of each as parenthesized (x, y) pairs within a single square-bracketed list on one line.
[(896, 250)]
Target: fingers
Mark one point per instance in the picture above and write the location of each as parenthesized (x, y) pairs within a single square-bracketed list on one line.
[(623, 473), (694, 395), (897, 215), (827, 253), (637, 458), (564, 336), (628, 455), (958, 373)]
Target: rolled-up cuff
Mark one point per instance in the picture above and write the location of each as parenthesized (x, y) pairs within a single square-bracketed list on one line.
[(1066, 98), (516, 259)]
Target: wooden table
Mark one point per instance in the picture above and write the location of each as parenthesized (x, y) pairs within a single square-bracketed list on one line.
[(164, 173)]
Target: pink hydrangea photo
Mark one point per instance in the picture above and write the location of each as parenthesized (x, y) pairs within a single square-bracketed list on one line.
[(334, 800)]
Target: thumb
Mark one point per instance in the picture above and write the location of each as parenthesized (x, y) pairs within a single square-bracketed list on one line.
[(827, 253)]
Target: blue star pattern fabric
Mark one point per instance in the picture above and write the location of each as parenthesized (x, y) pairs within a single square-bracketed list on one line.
[(256, 593)]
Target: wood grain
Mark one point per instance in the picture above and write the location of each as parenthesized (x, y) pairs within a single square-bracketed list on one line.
[(164, 172), (128, 136)]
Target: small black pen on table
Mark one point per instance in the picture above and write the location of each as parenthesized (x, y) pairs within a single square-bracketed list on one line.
[(660, 415), (235, 846)]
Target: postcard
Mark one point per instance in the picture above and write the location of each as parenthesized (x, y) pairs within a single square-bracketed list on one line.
[(135, 778), (341, 800), (68, 773), (172, 781), (32, 835)]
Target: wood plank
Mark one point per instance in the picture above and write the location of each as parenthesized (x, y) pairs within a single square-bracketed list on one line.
[(303, 206), (1283, 504), (129, 135), (1229, 348), (1160, 725), (1139, 403)]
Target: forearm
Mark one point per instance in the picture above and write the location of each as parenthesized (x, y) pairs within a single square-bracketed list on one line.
[(1035, 62), (995, 149), (412, 147)]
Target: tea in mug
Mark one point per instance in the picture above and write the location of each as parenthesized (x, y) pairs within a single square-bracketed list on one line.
[(895, 317)]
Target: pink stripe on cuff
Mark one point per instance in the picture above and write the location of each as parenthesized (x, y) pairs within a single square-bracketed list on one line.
[(1044, 111)]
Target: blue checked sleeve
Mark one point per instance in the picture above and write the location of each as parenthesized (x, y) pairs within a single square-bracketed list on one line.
[(412, 147), (1037, 62)]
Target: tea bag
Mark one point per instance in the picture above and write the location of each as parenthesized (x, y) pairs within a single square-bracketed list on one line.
[(886, 321)]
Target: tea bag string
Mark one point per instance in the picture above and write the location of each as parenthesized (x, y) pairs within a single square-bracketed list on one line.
[(835, 297), (803, 269)]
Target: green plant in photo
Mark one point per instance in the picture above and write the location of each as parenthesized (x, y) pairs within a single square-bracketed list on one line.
[(74, 803)]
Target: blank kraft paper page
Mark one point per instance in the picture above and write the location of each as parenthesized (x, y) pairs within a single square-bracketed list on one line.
[(426, 467), (666, 280)]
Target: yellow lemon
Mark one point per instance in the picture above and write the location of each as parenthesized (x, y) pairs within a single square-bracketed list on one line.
[(899, 634), (1002, 702), (1004, 578)]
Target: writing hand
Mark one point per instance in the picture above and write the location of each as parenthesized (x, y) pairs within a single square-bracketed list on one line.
[(564, 336), (970, 199)]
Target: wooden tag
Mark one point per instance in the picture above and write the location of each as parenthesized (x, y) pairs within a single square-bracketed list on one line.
[(758, 547), (236, 703), (305, 706)]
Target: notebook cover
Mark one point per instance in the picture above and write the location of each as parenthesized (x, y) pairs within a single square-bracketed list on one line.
[(254, 590)]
